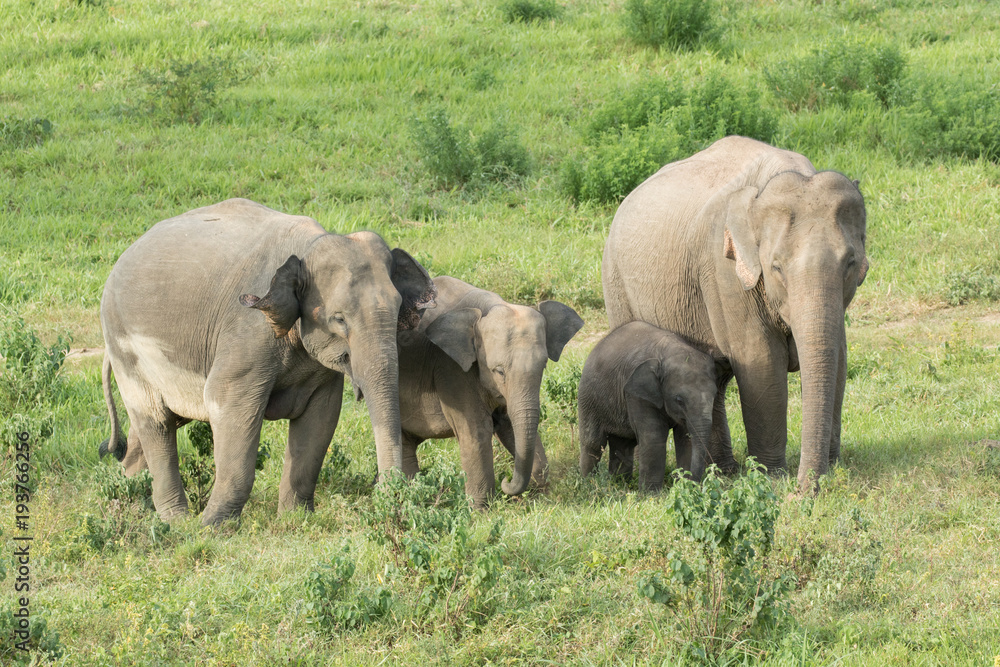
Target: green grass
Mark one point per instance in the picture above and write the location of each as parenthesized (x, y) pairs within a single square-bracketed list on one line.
[(310, 108)]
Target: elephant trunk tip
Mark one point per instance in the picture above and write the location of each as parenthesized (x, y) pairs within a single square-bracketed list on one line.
[(516, 485)]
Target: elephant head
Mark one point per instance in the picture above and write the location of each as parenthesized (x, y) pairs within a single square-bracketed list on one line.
[(349, 295), (511, 345), (803, 237), (682, 384)]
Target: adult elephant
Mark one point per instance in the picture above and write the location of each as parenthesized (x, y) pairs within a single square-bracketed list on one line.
[(753, 255), (188, 339)]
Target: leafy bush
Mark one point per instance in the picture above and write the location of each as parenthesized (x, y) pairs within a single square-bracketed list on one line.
[(971, 285), (615, 167), (834, 72), (29, 369), (720, 589), (331, 606), (560, 386), (456, 157), (184, 91), (24, 132), (525, 11), (426, 523), (677, 24), (43, 642), (847, 570), (952, 118), (112, 484), (657, 122)]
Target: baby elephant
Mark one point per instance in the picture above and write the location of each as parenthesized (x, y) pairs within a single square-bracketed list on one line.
[(473, 369), (637, 384)]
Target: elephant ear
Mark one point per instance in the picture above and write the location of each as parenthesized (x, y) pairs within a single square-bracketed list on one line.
[(414, 284), (863, 271), (561, 324), (739, 243), (455, 333), (644, 382), (281, 303)]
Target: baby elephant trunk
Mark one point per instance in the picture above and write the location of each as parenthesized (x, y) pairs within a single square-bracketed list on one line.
[(524, 420)]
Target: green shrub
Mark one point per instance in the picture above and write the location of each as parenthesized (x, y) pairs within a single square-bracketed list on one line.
[(526, 11), (185, 91), (455, 157), (834, 72), (677, 24), (330, 604), (615, 167), (641, 105), (24, 132), (198, 466), (43, 642), (720, 589), (952, 117), (657, 122), (29, 369), (560, 386), (112, 484), (427, 525), (971, 285)]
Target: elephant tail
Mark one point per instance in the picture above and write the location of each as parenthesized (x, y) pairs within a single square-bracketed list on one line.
[(115, 444)]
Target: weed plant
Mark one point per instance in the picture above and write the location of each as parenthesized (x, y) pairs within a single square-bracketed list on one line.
[(186, 91), (833, 72), (676, 24), (721, 590), (332, 602), (455, 157), (526, 11), (24, 132)]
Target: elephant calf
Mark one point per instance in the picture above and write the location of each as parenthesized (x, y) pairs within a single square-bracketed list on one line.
[(637, 384), (472, 369)]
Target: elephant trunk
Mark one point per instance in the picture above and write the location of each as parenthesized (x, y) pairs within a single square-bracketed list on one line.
[(375, 368), (523, 415), (700, 436), (818, 332)]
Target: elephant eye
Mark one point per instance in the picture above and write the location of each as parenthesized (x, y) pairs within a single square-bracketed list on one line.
[(339, 318), (498, 371), (776, 269), (679, 400)]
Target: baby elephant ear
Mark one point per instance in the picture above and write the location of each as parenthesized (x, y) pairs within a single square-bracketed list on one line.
[(414, 284), (455, 333), (644, 382), (281, 303), (561, 324)]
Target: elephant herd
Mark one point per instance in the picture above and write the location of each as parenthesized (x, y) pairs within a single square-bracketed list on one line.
[(736, 262)]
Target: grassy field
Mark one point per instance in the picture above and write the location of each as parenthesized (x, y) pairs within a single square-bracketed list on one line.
[(492, 141)]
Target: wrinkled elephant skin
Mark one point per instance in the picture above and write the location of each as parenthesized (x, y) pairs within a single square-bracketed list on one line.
[(234, 313)]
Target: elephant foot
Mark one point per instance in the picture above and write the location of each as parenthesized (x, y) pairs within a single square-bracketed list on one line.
[(288, 501)]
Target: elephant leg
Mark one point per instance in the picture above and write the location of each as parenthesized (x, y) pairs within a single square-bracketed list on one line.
[(410, 464), (621, 456), (504, 431), (474, 431), (651, 428), (158, 452), (134, 460), (309, 437), (236, 420), (763, 388), (838, 403), (720, 445)]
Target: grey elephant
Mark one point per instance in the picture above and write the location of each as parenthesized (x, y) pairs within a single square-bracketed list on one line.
[(473, 369), (639, 383), (187, 338), (753, 255)]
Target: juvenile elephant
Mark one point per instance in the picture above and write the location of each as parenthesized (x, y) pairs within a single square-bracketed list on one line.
[(638, 383), (187, 338), (751, 254), (474, 369)]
